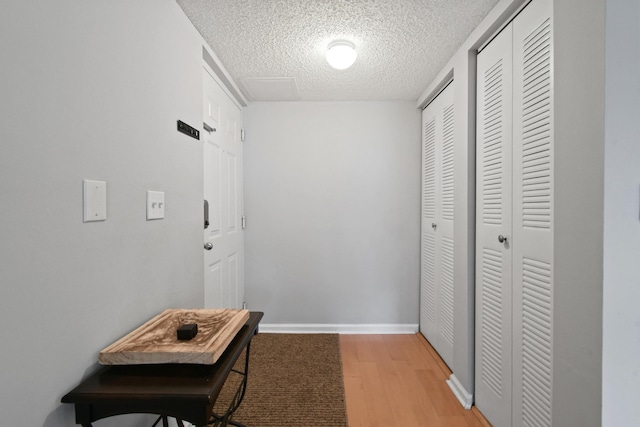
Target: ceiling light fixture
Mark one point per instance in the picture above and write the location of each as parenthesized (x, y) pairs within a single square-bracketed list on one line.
[(341, 54)]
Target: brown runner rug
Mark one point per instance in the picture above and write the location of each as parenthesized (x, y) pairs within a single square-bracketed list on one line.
[(294, 380)]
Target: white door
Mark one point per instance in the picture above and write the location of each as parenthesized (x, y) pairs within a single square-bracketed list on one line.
[(223, 237), (514, 240), (493, 224), (428, 276), (436, 289)]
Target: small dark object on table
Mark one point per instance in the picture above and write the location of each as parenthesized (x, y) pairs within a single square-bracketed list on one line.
[(188, 331)]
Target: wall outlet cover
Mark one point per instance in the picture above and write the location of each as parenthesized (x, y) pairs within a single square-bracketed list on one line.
[(155, 205), (94, 200)]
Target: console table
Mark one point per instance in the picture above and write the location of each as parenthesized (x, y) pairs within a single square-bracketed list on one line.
[(186, 392)]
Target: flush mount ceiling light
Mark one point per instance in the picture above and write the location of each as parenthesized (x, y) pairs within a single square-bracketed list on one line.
[(341, 54)]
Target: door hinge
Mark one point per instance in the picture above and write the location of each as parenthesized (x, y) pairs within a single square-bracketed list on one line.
[(241, 134), (244, 222)]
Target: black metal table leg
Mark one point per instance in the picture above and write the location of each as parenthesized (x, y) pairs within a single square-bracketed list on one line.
[(225, 420), (165, 421)]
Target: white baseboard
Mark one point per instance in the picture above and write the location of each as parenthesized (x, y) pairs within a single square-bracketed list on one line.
[(313, 328), (464, 397)]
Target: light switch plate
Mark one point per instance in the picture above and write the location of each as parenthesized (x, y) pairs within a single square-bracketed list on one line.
[(94, 200), (155, 204)]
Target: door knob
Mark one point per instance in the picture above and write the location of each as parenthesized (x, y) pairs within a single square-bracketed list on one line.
[(208, 246), (502, 239), (433, 225)]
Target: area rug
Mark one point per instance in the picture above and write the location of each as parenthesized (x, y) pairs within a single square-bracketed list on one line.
[(294, 380)]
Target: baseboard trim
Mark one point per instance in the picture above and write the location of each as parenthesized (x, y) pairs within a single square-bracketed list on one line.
[(465, 398), (312, 328)]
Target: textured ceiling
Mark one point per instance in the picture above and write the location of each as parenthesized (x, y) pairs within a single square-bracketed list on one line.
[(401, 44)]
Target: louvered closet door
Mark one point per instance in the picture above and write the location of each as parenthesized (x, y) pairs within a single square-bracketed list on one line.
[(493, 222), (436, 301), (532, 214), (514, 279)]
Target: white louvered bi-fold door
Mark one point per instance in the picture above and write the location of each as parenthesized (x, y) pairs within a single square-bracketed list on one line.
[(436, 295), (514, 310), (532, 215), (493, 219)]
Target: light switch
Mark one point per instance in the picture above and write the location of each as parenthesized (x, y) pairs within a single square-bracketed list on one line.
[(155, 204), (94, 200)]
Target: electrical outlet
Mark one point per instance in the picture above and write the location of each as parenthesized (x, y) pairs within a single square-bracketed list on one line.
[(155, 205)]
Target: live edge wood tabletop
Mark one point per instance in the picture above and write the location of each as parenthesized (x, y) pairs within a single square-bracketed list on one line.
[(183, 390), (156, 341)]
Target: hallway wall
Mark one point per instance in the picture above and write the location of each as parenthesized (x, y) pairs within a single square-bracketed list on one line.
[(92, 90), (621, 323), (332, 198)]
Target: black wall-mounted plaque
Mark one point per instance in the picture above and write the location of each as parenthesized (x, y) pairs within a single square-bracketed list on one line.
[(188, 130)]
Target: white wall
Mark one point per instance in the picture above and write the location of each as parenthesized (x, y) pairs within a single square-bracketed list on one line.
[(578, 203), (621, 328), (91, 90), (332, 198)]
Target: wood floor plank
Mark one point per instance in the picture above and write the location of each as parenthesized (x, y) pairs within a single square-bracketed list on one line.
[(472, 420), (421, 358), (399, 380), (397, 392), (419, 401), (357, 411), (443, 399), (454, 421), (434, 355), (374, 388), (364, 352), (395, 345), (379, 349), (482, 420), (350, 363)]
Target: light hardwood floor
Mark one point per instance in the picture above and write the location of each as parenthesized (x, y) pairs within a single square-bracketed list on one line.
[(399, 380)]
